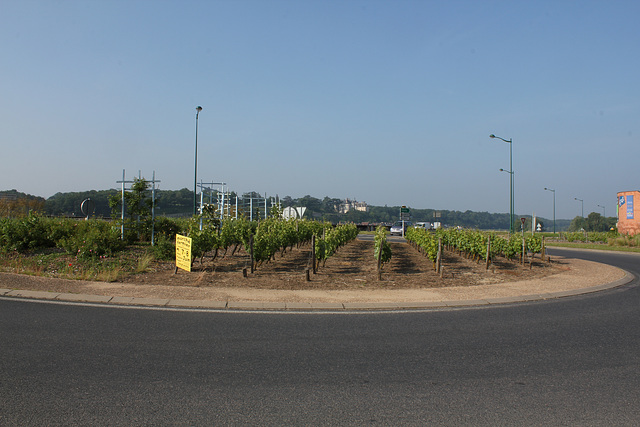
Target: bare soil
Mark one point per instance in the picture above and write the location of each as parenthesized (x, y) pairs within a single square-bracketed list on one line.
[(349, 276), (353, 267)]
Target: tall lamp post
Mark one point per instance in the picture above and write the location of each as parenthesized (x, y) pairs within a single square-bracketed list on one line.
[(604, 214), (554, 208), (510, 171), (581, 204), (195, 168)]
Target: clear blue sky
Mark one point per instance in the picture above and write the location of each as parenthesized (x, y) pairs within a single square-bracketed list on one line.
[(387, 102)]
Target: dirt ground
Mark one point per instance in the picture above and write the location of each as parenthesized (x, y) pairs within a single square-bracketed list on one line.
[(348, 277), (352, 267)]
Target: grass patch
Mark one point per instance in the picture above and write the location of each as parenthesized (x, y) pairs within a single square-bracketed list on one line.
[(144, 262), (597, 246), (134, 259), (109, 275)]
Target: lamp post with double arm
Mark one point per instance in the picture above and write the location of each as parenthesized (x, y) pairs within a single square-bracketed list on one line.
[(510, 171), (554, 208), (581, 206), (195, 168)]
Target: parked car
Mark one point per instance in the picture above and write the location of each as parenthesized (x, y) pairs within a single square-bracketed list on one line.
[(425, 225), (397, 228)]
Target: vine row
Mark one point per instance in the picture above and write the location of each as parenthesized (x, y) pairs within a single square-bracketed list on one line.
[(332, 240), (473, 243)]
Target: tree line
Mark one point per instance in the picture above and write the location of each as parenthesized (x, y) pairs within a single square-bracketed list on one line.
[(180, 203)]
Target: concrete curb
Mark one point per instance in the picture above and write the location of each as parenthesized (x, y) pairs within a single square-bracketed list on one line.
[(300, 306)]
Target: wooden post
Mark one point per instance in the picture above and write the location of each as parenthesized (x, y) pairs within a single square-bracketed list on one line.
[(380, 259), (313, 253), (306, 273), (251, 253), (439, 256), (542, 252), (486, 267)]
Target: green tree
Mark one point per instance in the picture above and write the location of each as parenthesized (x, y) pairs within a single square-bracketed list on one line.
[(68, 204), (611, 223), (171, 202), (355, 216), (329, 204), (311, 203), (578, 223), (138, 205), (17, 205), (595, 222)]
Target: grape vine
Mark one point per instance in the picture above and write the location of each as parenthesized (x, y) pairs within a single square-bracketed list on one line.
[(333, 239), (381, 244), (473, 243)]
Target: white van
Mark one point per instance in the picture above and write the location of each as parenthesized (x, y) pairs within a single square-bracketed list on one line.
[(425, 225)]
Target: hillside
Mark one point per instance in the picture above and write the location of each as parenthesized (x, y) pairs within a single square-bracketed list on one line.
[(14, 203), (180, 203)]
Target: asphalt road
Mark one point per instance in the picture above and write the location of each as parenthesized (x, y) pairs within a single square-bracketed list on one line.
[(572, 361), (390, 238)]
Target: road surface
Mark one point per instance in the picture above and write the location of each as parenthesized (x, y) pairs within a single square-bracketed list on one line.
[(571, 361)]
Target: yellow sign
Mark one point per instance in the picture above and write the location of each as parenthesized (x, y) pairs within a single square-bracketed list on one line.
[(183, 252)]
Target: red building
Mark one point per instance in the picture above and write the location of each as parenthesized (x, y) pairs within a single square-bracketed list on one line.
[(629, 212)]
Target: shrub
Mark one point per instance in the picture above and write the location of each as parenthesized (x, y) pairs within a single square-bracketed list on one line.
[(167, 227), (92, 239), (24, 234), (631, 241), (59, 229), (164, 248)]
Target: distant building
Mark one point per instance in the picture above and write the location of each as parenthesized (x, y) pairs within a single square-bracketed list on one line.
[(347, 205), (629, 212)]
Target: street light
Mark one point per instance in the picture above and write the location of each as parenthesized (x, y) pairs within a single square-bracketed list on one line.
[(554, 208), (604, 214), (195, 168), (511, 199), (504, 170), (510, 171), (582, 204)]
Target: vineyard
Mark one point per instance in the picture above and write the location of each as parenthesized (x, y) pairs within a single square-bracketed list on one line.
[(272, 253), (475, 244), (346, 262), (262, 240)]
